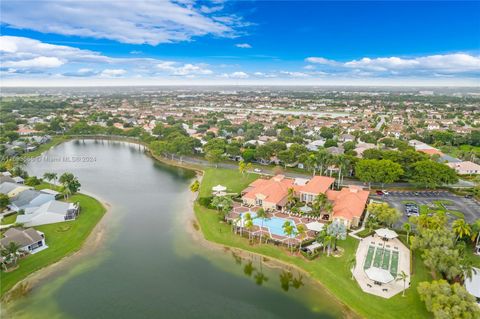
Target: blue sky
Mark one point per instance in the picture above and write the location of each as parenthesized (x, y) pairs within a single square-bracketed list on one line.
[(239, 42)]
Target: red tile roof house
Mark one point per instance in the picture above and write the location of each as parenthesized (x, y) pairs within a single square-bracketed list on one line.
[(272, 194)]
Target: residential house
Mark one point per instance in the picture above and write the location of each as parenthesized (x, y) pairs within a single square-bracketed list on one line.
[(50, 212), (12, 189), (465, 168), (29, 199), (362, 147), (29, 240)]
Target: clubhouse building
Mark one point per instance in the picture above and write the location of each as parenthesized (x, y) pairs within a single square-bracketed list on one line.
[(273, 195)]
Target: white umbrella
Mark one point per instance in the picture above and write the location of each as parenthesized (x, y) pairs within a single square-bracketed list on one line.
[(315, 226), (219, 188), (386, 233), (306, 209), (380, 275)]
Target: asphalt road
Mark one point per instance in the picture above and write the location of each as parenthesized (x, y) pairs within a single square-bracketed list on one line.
[(468, 206)]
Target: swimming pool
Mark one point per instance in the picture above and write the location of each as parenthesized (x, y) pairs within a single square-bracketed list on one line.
[(274, 224)]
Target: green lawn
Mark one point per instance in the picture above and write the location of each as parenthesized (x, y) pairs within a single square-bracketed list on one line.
[(456, 150), (233, 180), (332, 272), (10, 219), (62, 239)]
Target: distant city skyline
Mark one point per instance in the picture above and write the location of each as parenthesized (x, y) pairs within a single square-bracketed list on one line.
[(69, 43)]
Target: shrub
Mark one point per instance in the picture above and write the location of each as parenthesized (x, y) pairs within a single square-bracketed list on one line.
[(205, 201)]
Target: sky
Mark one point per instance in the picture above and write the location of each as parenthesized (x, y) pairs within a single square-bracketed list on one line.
[(164, 42)]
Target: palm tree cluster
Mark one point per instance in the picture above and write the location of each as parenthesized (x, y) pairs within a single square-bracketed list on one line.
[(322, 162), (322, 204), (10, 255)]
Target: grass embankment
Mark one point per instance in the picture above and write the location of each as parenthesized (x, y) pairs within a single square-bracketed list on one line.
[(45, 147), (62, 239), (332, 272), (10, 219)]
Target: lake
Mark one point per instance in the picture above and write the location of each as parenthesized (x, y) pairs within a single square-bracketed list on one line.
[(149, 265)]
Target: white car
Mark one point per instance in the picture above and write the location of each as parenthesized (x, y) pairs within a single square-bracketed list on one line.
[(257, 170), (385, 192)]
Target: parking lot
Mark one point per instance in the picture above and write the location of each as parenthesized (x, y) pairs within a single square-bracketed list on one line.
[(468, 206)]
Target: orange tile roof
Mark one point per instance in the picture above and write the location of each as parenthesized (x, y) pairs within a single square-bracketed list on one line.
[(274, 189), (431, 151), (349, 202), (317, 185)]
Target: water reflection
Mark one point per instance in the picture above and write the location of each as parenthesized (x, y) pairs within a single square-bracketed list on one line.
[(287, 280), (286, 277)]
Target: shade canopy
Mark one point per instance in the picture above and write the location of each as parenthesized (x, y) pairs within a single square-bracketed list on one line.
[(315, 226), (379, 275), (314, 246), (386, 233), (219, 188)]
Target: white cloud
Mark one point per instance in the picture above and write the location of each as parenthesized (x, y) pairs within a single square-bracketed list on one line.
[(243, 46), (235, 75), (319, 60), (446, 63), (21, 54), (176, 68), (295, 74), (21, 48), (137, 22), (112, 73), (40, 62)]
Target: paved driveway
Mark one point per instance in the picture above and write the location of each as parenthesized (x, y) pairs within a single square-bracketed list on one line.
[(468, 206)]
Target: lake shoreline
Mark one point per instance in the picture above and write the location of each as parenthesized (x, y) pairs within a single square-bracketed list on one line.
[(197, 234), (91, 244)]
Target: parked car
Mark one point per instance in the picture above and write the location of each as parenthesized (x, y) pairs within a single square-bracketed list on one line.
[(257, 170), (379, 192), (411, 209), (469, 196), (385, 192)]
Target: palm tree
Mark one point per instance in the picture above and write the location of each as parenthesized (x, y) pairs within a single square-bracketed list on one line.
[(327, 242), (311, 163), (352, 262), (466, 265), (289, 231), (322, 156), (341, 163), (301, 231), (408, 228), (461, 228), (338, 231), (475, 232), (10, 253), (66, 192), (328, 209), (319, 202), (372, 223), (248, 224), (403, 277), (262, 215), (50, 177), (291, 197)]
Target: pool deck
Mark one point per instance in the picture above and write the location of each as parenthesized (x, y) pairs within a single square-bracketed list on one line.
[(239, 209), (366, 284)]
